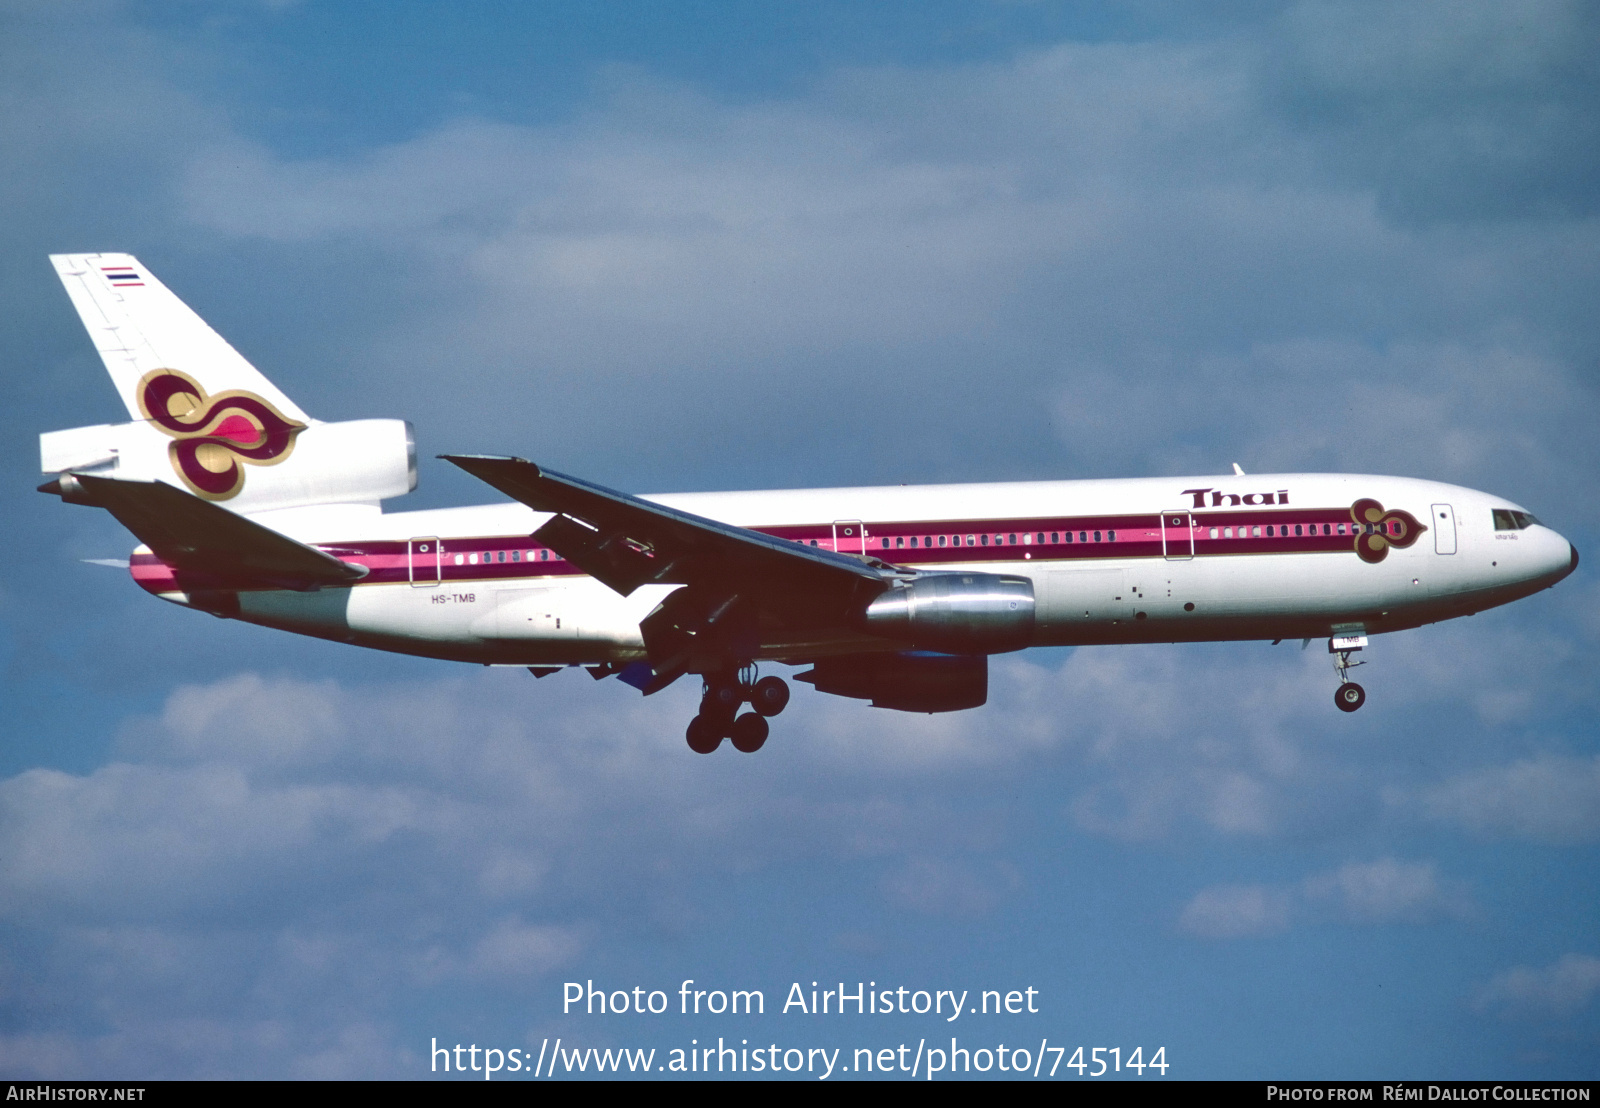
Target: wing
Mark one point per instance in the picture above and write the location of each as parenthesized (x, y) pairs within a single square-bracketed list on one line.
[(740, 582), (625, 542), (204, 540)]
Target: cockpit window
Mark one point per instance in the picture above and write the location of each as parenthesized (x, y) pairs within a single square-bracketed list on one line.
[(1507, 520)]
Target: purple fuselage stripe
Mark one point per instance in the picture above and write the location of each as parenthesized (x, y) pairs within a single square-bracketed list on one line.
[(994, 540)]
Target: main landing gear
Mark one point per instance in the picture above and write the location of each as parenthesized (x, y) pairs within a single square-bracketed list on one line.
[(1348, 696), (719, 716)]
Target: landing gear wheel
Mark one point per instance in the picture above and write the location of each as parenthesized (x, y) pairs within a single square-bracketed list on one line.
[(749, 732), (769, 696), (704, 736), (721, 700), (1349, 696)]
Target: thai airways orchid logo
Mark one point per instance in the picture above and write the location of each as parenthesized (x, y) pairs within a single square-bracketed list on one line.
[(1378, 530), (214, 434)]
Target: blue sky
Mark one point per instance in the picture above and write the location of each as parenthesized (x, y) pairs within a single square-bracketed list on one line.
[(731, 246)]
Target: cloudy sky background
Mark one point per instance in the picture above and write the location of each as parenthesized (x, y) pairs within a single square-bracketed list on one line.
[(733, 246)]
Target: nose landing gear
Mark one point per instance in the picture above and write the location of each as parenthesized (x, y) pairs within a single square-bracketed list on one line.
[(719, 716), (1348, 696)]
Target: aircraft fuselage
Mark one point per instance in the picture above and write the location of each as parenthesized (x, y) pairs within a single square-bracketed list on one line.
[(1111, 561)]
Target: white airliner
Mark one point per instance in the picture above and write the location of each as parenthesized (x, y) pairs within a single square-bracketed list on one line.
[(249, 509)]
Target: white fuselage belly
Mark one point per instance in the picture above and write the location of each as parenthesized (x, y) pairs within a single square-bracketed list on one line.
[(1150, 560)]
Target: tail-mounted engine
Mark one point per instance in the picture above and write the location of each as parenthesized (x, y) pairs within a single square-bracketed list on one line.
[(247, 458), (956, 613)]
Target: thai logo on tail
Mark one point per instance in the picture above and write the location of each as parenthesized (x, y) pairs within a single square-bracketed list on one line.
[(1378, 530), (214, 434)]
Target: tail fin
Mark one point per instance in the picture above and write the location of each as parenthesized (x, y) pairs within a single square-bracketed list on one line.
[(206, 417), (139, 326)]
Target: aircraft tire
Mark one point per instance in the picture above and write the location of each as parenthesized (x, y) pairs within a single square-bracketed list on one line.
[(721, 701), (703, 736), (770, 695), (750, 732), (1349, 696)]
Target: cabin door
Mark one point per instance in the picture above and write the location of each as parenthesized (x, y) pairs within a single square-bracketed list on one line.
[(849, 536), (1444, 529), (1177, 534), (423, 557)]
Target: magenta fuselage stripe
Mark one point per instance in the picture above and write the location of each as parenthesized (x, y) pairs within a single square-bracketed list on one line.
[(998, 540)]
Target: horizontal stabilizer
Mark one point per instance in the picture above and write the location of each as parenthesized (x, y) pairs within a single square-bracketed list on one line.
[(200, 538)]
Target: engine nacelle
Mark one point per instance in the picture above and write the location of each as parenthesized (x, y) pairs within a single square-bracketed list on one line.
[(249, 466), (912, 682), (956, 613)]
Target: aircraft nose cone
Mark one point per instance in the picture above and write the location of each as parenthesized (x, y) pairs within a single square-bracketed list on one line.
[(1566, 570)]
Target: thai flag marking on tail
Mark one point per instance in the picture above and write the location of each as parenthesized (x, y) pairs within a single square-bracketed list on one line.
[(122, 276)]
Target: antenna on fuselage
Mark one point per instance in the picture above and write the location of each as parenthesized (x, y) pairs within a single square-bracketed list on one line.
[(1237, 472)]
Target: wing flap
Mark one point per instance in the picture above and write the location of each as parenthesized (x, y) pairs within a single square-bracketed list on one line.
[(611, 559), (198, 537)]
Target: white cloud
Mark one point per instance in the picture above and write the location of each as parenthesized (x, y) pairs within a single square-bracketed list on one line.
[(1548, 798), (946, 888), (1385, 891), (517, 949), (1236, 912), (363, 842), (1096, 224), (161, 840), (1562, 989), (240, 720)]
